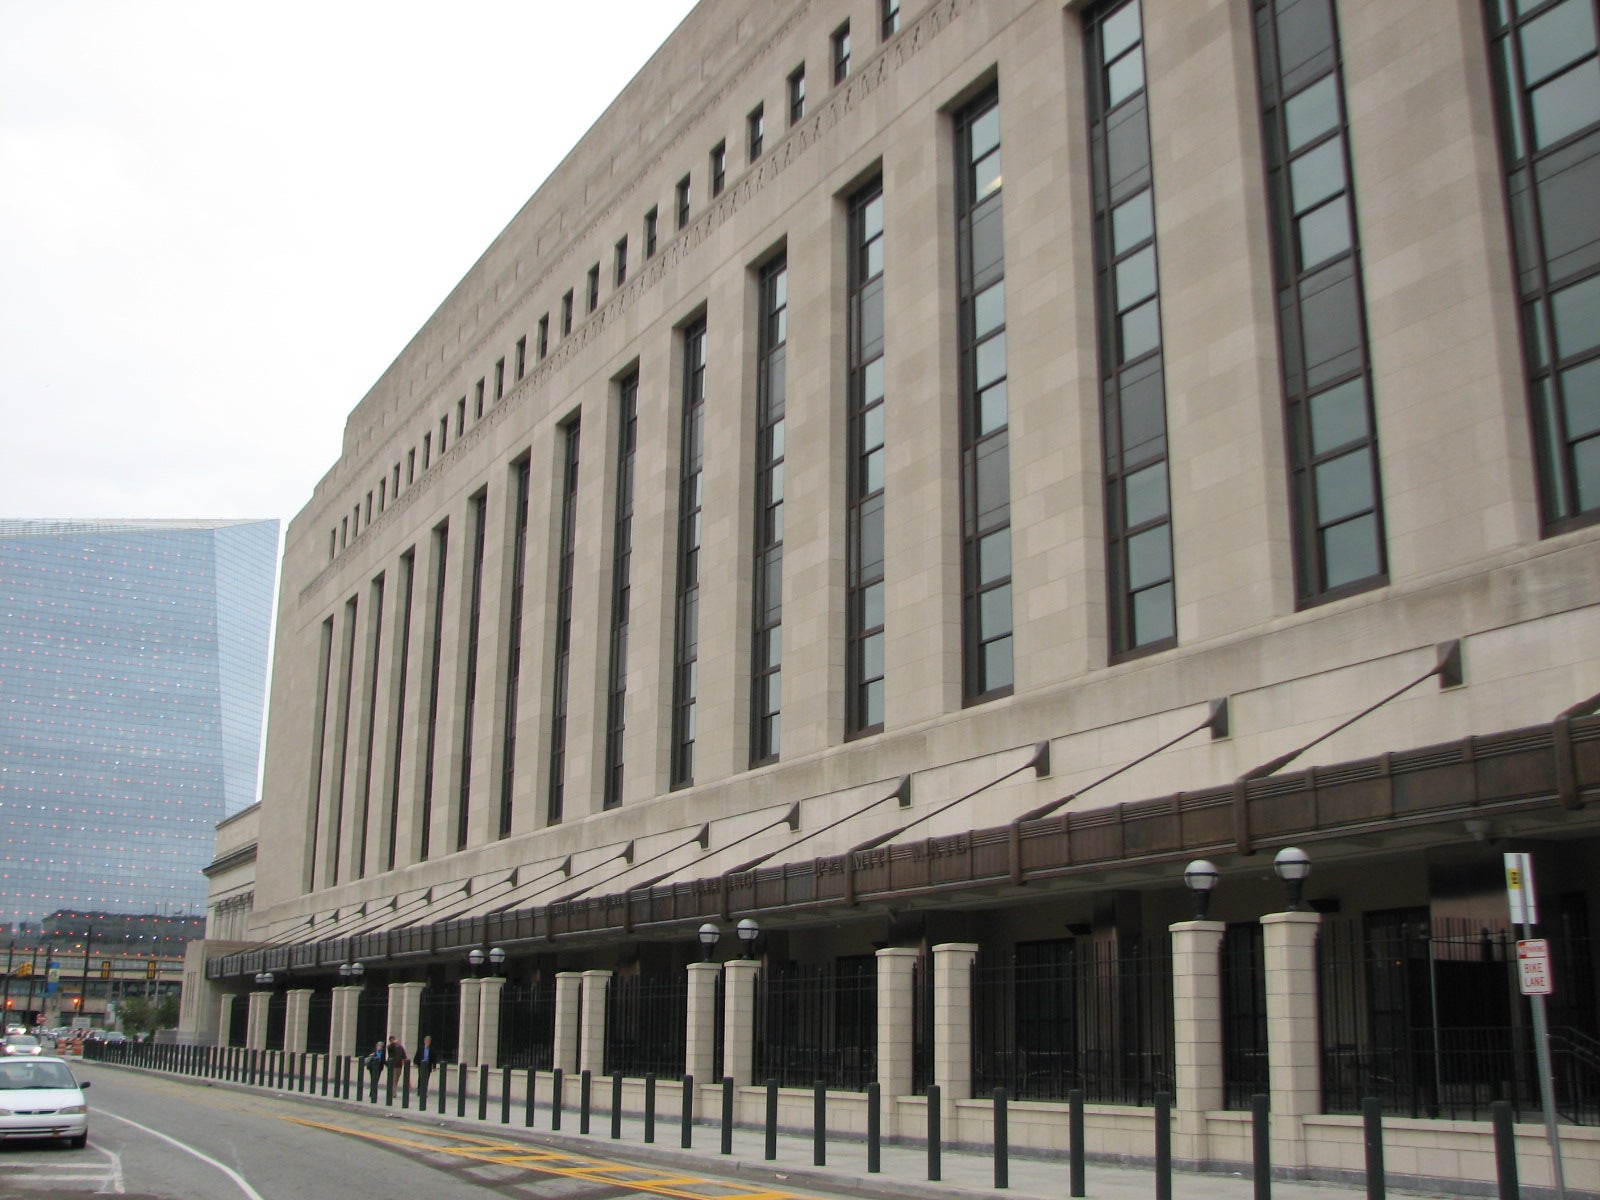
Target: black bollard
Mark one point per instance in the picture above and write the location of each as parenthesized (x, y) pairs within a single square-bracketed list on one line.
[(389, 1072), (874, 1128), (1505, 1150), (1002, 1139), (1163, 1146), (405, 1085), (505, 1095), (555, 1099), (616, 1105), (649, 1107), (1261, 1146), (686, 1127), (1075, 1138), (1372, 1127), (585, 1095), (344, 1077), (461, 1090), (727, 1114), (935, 1168), (443, 1070), (483, 1091), (527, 1100), (327, 1068), (819, 1124), (770, 1151)]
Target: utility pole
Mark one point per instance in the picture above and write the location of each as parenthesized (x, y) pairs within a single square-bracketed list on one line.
[(83, 987)]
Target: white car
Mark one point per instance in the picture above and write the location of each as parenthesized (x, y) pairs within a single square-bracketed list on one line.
[(21, 1043), (40, 1098)]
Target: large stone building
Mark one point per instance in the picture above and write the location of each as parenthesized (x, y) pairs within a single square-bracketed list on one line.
[(684, 569)]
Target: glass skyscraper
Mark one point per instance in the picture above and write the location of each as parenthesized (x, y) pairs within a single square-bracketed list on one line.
[(133, 672)]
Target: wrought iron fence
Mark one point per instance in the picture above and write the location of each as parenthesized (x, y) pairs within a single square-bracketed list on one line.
[(1242, 961), (372, 1019), (277, 1019), (818, 1023), (646, 1018), (439, 1017), (319, 1023), (1424, 1014), (922, 1025), (239, 1021), (1068, 1014), (528, 1025)]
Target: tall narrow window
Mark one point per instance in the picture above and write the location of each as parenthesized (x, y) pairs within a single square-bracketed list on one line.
[(499, 380), (441, 548), (841, 53), (686, 617), (408, 572), (594, 288), (864, 608), (797, 94), (347, 673), (1547, 75), (719, 167), (985, 421), (469, 701), (477, 408), (395, 489), (563, 656), (1138, 509), (319, 735), (411, 466), (766, 657), (621, 589), (374, 645), (427, 442), (1335, 499), (651, 222), (755, 132), (444, 426), (890, 17), (566, 313), (383, 493), (544, 337), (519, 566), (683, 201), (522, 356), (619, 263)]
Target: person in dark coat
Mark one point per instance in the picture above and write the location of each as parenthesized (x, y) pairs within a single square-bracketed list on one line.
[(425, 1062), (394, 1057), (374, 1062)]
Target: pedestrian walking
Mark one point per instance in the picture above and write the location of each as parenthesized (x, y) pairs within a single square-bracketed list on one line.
[(374, 1063), (424, 1069), (394, 1057)]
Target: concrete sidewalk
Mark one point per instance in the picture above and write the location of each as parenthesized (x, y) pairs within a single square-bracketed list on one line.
[(966, 1172)]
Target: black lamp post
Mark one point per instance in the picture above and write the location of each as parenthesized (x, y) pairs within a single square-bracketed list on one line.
[(1293, 865), (748, 932), (1200, 877), (709, 936)]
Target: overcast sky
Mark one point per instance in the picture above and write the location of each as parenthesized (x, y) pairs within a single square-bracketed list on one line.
[(220, 222)]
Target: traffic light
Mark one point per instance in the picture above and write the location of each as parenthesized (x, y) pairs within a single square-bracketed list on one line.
[(150, 969)]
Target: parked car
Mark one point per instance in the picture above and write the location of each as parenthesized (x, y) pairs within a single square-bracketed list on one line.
[(21, 1043), (41, 1098)]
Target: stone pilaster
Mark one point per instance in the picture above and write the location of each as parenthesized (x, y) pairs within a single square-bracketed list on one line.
[(700, 1036), (569, 1015), (592, 1036), (342, 1025), (489, 993), (297, 1020), (739, 1020), (1196, 1033), (467, 1035), (1294, 1043), (256, 1030), (405, 1012), (897, 967), (952, 1024)]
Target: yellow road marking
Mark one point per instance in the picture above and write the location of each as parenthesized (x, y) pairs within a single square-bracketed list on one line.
[(552, 1162)]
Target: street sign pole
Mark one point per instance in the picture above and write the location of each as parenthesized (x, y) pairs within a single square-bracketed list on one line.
[(1525, 914)]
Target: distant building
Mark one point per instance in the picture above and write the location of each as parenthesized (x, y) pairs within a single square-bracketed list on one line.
[(133, 658)]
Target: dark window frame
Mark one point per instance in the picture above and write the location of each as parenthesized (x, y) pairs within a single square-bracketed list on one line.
[(686, 613), (766, 653), (866, 457)]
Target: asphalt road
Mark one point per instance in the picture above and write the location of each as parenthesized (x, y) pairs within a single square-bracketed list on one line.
[(176, 1139)]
